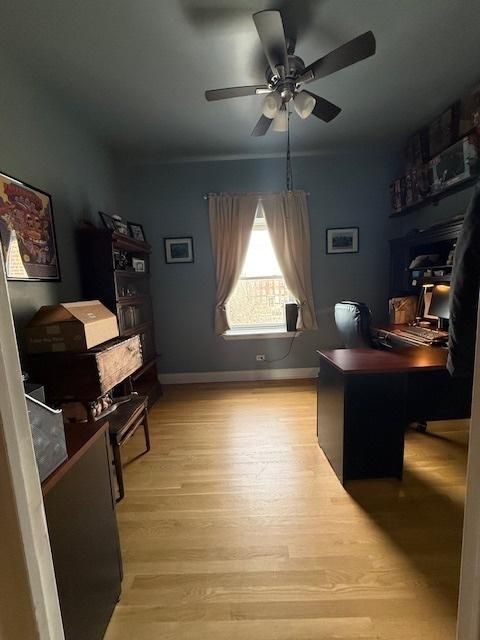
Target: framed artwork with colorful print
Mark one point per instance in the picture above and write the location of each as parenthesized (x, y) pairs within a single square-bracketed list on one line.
[(27, 232)]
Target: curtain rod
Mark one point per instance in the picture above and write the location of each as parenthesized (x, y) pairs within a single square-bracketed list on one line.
[(260, 195)]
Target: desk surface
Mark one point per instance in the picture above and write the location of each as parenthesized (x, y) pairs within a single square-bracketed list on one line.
[(79, 438), (409, 359)]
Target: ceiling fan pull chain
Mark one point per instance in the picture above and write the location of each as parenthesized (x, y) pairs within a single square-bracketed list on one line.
[(289, 177)]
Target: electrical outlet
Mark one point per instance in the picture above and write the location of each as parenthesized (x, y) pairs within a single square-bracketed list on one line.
[(260, 357)]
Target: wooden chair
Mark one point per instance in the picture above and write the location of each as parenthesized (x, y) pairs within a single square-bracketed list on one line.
[(124, 421)]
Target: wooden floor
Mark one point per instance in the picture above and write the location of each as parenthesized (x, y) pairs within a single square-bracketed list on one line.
[(234, 527)]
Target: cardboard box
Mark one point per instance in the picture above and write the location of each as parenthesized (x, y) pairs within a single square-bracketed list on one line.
[(402, 310), (70, 326)]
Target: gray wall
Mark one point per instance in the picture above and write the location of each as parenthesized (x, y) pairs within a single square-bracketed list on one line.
[(46, 144), (49, 145), (345, 190)]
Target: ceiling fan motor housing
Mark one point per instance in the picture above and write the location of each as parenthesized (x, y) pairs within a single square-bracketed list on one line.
[(286, 86)]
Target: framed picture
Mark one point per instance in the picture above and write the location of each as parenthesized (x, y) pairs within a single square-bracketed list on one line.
[(121, 227), (136, 231), (107, 220), (343, 240), (178, 250), (27, 232), (114, 223), (138, 265)]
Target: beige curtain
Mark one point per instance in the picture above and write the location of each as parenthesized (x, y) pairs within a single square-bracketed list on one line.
[(287, 220), (231, 221)]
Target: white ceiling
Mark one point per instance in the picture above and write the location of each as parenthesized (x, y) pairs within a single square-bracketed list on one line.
[(138, 69)]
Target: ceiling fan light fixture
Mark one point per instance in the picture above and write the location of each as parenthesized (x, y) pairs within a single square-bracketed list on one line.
[(304, 104), (271, 105), (280, 122)]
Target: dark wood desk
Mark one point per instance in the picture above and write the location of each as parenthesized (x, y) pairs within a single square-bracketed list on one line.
[(82, 527), (367, 397), (431, 396), (365, 361)]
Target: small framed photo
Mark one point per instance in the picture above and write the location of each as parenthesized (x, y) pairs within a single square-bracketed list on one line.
[(138, 265), (136, 231), (178, 250), (343, 240), (107, 220), (121, 227)]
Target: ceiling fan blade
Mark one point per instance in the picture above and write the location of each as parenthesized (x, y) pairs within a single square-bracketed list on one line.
[(324, 109), (349, 53), (272, 36), (236, 92), (262, 126)]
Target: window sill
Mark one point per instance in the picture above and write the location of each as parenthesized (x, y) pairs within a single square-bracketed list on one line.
[(259, 334)]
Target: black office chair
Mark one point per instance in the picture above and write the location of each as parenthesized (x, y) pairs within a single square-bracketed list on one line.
[(353, 323)]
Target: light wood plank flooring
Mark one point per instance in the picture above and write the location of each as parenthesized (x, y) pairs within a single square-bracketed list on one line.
[(235, 527)]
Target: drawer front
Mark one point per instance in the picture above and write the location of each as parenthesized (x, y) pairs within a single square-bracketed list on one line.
[(118, 362)]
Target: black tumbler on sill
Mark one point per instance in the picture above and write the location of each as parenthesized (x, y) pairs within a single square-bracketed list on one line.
[(291, 315)]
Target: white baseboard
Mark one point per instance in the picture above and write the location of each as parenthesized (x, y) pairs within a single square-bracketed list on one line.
[(237, 376)]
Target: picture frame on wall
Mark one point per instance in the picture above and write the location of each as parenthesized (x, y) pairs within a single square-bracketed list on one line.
[(342, 240), (27, 232), (136, 231), (179, 250)]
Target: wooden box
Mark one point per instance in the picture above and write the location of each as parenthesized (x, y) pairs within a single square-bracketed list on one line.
[(88, 375)]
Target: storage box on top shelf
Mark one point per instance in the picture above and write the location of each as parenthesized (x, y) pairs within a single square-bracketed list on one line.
[(443, 131), (455, 165), (470, 112), (410, 189), (70, 327), (440, 156)]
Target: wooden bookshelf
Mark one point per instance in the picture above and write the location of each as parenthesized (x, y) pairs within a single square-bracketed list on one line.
[(125, 292)]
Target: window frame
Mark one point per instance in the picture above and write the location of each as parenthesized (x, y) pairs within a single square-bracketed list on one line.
[(260, 331)]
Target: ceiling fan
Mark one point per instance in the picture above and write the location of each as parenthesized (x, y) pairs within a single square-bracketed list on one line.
[(287, 74)]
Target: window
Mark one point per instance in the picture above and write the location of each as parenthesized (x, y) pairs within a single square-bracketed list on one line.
[(258, 301)]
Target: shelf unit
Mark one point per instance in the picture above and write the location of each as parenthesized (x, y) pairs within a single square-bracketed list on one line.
[(434, 198), (438, 239), (125, 292)]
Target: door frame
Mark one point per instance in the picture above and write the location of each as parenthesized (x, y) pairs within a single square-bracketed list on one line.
[(36, 573), (27, 501), (468, 621)]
